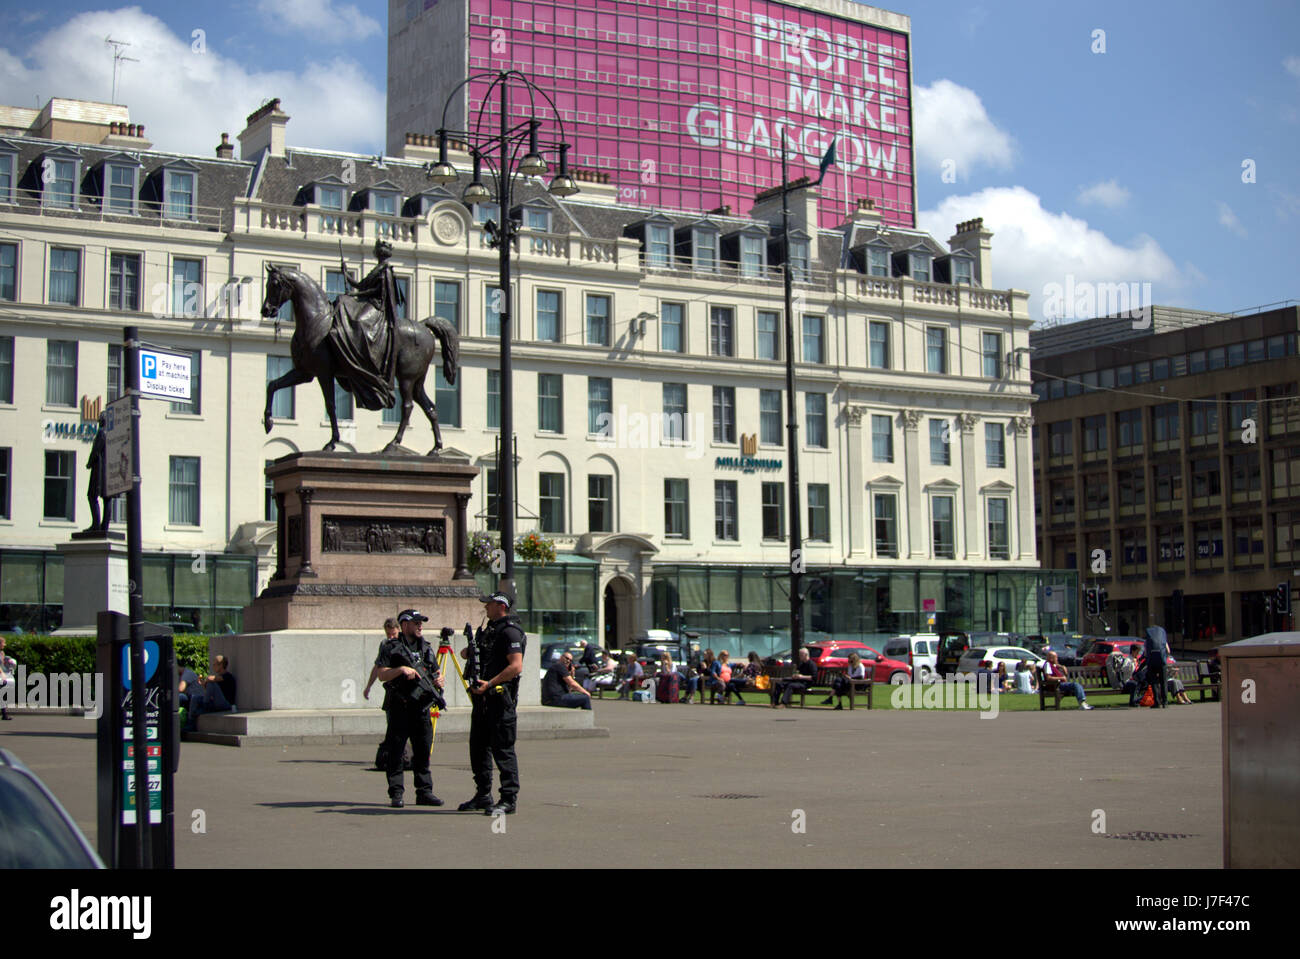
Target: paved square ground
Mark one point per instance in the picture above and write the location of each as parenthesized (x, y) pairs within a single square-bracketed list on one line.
[(878, 788)]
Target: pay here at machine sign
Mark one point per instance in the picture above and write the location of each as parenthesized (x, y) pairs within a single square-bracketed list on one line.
[(165, 375)]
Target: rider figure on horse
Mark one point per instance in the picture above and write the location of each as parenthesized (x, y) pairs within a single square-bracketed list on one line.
[(380, 286), (365, 342)]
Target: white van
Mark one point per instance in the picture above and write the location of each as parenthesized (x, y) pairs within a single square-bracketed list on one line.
[(921, 652)]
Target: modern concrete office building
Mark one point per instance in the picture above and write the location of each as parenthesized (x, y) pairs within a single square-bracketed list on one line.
[(1172, 446), (649, 370), (682, 103)]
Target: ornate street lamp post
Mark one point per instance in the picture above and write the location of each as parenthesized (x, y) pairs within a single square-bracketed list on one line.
[(500, 152)]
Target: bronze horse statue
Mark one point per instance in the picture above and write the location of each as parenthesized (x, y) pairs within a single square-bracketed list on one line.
[(318, 323)]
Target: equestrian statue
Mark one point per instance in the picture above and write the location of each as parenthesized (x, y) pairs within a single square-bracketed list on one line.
[(363, 340)]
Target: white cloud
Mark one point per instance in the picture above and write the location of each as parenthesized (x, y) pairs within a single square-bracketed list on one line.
[(1229, 219), (951, 124), (187, 99), (321, 19), (1292, 66), (1108, 194), (1034, 247)]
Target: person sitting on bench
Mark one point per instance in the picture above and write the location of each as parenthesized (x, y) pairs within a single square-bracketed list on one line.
[(841, 685), (805, 674), (1053, 670)]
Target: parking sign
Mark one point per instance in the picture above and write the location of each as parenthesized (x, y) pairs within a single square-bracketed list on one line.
[(164, 375)]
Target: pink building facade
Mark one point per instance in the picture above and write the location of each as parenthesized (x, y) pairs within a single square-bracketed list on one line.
[(684, 104)]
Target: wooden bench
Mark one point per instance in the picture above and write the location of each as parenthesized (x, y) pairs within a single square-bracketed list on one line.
[(1195, 678), (648, 672), (773, 673), (825, 683)]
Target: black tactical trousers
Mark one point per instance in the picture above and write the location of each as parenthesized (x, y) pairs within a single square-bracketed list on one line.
[(409, 722), (492, 730)]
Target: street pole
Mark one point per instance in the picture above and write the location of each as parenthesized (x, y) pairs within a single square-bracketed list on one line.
[(791, 428), (506, 469), (135, 575)]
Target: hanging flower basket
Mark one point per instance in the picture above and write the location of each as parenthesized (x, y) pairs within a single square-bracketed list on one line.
[(535, 548), (482, 550)]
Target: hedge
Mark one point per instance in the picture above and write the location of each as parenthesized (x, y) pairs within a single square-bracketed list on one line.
[(76, 654)]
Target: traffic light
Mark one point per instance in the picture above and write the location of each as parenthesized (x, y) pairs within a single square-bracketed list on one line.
[(1090, 600), (1283, 601), (1103, 601)]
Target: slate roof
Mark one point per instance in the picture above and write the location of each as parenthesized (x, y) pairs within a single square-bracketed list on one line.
[(217, 184)]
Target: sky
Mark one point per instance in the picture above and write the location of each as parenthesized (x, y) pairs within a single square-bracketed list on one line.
[(1136, 142)]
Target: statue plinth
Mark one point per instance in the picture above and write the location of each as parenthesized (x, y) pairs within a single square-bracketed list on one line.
[(361, 536), (94, 579)]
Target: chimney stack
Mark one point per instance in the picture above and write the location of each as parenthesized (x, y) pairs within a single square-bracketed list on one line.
[(974, 239), (265, 132), (225, 149)]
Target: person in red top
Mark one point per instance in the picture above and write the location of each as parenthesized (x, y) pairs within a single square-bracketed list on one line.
[(1052, 669)]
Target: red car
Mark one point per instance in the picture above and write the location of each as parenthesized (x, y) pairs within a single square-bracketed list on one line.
[(835, 655), (1099, 650)]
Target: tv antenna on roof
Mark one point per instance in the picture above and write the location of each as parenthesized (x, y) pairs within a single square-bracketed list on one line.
[(118, 57)]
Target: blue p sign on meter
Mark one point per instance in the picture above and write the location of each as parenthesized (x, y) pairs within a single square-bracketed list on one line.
[(164, 375)]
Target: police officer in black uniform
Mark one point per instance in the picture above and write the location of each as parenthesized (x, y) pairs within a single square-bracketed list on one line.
[(492, 719), (396, 664)]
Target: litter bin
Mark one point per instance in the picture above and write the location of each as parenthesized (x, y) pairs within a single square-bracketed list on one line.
[(1261, 751)]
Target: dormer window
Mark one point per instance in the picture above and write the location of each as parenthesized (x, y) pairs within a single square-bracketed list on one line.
[(704, 241), (537, 218), (329, 197), (656, 236), (877, 261), (956, 268), (328, 194), (753, 254), (60, 172), (179, 197), (658, 246), (119, 185), (487, 211), (916, 263), (799, 267), (8, 168), (383, 202)]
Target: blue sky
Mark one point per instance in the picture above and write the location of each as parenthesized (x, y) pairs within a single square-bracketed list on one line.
[(1117, 167)]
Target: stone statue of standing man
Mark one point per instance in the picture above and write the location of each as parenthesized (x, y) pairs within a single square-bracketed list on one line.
[(98, 475)]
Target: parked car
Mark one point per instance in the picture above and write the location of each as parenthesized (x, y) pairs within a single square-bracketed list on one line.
[(921, 652), (1128, 645), (835, 655), (38, 833), (1067, 646), (648, 654), (988, 657), (551, 653), (951, 646)]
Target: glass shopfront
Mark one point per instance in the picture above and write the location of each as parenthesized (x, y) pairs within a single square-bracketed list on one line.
[(744, 608)]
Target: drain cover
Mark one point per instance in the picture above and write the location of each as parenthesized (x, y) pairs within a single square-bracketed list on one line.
[(1153, 836), (729, 796)]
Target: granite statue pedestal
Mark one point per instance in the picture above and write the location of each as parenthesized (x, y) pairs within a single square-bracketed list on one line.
[(94, 579), (360, 537)]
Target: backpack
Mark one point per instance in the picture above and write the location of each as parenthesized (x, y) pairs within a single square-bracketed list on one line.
[(1148, 697), (666, 690), (381, 756)]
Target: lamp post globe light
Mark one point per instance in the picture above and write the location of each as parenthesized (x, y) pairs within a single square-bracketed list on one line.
[(510, 151)]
